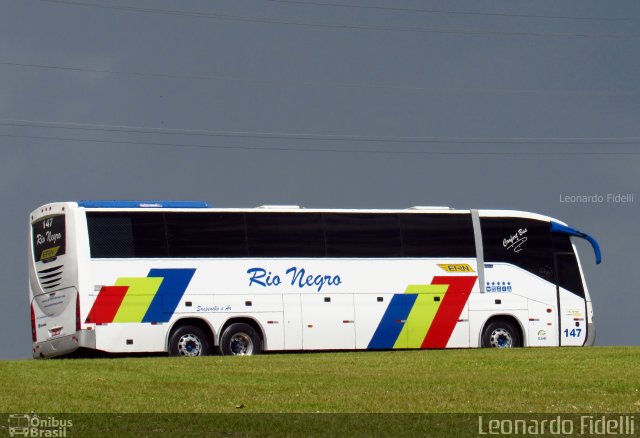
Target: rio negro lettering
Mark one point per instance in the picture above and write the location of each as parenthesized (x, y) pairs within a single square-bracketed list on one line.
[(294, 276)]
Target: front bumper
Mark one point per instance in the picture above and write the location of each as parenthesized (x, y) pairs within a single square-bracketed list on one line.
[(591, 335)]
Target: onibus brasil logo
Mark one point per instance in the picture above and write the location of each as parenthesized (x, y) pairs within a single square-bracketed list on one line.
[(32, 425)]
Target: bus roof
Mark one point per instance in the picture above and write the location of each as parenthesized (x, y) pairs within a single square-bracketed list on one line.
[(143, 204), (159, 204)]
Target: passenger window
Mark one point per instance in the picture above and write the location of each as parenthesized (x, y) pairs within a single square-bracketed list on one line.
[(362, 235), (525, 243), (285, 235), (437, 235)]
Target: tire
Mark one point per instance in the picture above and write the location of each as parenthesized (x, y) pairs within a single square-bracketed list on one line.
[(501, 334), (240, 339), (189, 341)]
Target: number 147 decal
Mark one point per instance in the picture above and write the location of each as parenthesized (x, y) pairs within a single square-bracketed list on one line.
[(573, 333)]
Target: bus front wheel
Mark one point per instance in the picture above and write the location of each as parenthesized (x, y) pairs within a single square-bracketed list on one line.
[(189, 341), (501, 334), (240, 339)]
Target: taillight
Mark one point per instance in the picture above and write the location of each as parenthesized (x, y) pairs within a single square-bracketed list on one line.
[(78, 313), (33, 325)]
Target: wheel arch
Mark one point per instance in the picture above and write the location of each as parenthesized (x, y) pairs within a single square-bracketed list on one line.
[(246, 320), (505, 317), (197, 322)]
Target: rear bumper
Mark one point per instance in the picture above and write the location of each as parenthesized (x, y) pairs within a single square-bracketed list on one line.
[(64, 344), (591, 335)]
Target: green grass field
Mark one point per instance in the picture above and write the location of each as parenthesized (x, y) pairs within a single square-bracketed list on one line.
[(553, 380)]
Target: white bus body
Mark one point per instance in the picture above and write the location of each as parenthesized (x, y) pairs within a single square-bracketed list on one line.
[(183, 278)]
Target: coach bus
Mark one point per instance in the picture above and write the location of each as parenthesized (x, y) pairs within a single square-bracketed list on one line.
[(189, 280)]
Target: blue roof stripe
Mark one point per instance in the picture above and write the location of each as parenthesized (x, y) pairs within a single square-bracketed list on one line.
[(143, 204)]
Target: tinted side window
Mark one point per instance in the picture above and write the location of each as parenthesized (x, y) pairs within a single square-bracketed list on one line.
[(525, 243), (567, 265), (122, 235), (206, 235), (569, 274), (362, 235), (285, 235), (561, 242), (437, 235)]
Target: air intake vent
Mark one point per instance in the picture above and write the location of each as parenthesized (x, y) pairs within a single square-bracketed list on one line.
[(50, 278)]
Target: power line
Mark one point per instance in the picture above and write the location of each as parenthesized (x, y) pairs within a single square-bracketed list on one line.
[(293, 82), (449, 12), (321, 137), (323, 150), (353, 26)]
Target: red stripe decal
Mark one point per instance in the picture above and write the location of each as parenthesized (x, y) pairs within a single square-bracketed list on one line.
[(106, 304), (449, 311)]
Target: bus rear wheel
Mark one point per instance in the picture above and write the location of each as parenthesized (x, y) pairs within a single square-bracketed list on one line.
[(240, 339), (501, 334), (189, 341)]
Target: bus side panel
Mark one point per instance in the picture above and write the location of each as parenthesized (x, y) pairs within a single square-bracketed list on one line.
[(190, 303), (460, 335), (497, 303), (292, 322), (543, 324), (369, 311), (328, 322), (131, 337), (250, 303), (273, 328)]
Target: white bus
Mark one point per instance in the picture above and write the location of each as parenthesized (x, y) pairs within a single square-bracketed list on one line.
[(190, 280)]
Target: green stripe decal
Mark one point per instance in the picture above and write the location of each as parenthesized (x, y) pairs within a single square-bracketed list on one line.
[(426, 289), (139, 296), (422, 313)]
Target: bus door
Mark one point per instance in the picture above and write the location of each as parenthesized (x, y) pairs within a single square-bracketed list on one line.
[(572, 307), (570, 288)]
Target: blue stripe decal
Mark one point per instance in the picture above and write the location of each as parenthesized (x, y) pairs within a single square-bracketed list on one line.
[(392, 322), (169, 294), (143, 204)]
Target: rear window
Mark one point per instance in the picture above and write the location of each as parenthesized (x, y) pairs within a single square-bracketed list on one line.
[(49, 237)]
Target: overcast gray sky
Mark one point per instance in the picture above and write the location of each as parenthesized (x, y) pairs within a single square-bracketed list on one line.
[(472, 104)]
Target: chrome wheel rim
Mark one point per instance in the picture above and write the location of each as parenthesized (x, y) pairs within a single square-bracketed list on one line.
[(189, 345), (241, 344), (501, 338)]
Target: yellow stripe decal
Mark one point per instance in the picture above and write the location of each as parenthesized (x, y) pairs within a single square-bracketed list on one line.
[(422, 313), (138, 298)]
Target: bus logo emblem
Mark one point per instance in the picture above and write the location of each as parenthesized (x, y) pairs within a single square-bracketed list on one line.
[(459, 267)]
